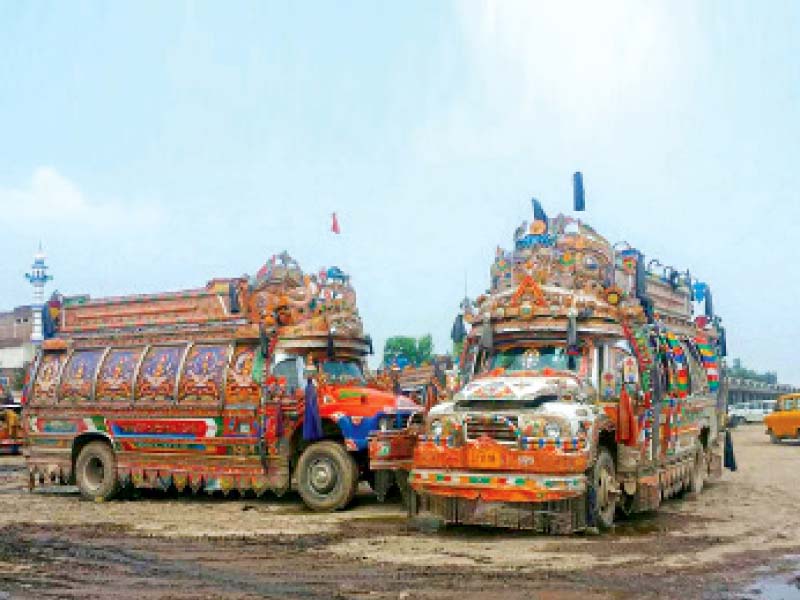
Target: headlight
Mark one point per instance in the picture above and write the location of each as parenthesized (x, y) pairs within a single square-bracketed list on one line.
[(437, 427), (552, 429)]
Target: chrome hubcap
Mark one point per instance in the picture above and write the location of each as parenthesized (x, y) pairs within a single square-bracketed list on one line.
[(93, 472), (322, 475)]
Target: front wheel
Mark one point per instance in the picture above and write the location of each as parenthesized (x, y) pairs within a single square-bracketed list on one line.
[(603, 491), (773, 438), (96, 471), (327, 476)]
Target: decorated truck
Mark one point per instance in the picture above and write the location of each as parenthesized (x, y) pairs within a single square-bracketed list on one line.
[(247, 384), (590, 388)]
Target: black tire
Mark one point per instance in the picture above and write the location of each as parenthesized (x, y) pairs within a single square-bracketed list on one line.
[(603, 493), (699, 472), (774, 438), (96, 472), (327, 476)]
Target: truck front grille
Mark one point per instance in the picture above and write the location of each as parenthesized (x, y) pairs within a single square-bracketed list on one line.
[(500, 429)]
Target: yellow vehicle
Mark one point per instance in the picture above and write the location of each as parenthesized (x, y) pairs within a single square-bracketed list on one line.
[(784, 422)]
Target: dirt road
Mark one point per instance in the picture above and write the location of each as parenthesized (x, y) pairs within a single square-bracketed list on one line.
[(742, 529)]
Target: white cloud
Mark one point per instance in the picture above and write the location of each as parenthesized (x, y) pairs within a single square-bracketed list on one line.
[(50, 198), (581, 67)]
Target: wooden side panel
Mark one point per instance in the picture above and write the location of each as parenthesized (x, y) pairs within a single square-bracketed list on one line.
[(240, 389), (45, 387), (158, 374), (78, 377), (203, 375), (115, 380)]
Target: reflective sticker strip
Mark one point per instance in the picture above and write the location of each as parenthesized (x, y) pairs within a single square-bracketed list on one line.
[(568, 483)]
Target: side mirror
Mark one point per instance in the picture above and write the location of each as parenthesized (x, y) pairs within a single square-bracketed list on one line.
[(572, 331), (233, 295), (458, 332), (263, 341), (487, 337), (330, 350)]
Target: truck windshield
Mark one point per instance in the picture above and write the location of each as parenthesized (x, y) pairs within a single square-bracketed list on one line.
[(533, 359), (341, 371)]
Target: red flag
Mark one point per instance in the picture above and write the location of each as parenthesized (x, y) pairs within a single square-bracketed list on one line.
[(335, 225)]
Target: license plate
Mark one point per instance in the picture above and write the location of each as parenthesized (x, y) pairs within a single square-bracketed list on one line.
[(483, 459)]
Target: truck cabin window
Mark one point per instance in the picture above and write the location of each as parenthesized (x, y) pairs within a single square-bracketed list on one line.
[(341, 371), (288, 370), (535, 359)]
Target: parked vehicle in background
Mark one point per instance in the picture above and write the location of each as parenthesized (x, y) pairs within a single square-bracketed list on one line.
[(208, 389), (10, 427), (11, 432), (750, 412), (784, 422)]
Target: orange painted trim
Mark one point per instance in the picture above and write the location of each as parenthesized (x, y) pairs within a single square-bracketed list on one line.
[(548, 460)]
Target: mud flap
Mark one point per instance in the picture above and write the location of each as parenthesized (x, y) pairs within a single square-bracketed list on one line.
[(558, 517), (591, 505), (384, 479)]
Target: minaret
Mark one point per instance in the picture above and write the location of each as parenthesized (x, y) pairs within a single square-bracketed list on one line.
[(38, 277)]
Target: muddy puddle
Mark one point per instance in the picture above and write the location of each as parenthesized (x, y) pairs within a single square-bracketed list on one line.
[(781, 583)]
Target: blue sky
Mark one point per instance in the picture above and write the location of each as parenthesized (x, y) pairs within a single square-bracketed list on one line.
[(153, 146)]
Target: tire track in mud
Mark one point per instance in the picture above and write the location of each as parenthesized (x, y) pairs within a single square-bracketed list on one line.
[(71, 563), (111, 562)]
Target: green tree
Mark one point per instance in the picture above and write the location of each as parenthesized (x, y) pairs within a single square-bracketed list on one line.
[(397, 346), (425, 349), (417, 351)]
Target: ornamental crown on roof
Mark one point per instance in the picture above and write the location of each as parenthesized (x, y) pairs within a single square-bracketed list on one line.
[(556, 266)]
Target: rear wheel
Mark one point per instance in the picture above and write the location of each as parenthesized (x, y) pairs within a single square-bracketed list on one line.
[(327, 476), (773, 438), (603, 491), (96, 471)]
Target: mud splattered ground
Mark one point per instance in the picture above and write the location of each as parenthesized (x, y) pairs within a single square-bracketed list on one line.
[(739, 539)]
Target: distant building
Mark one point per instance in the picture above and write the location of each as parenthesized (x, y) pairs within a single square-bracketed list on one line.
[(16, 347)]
